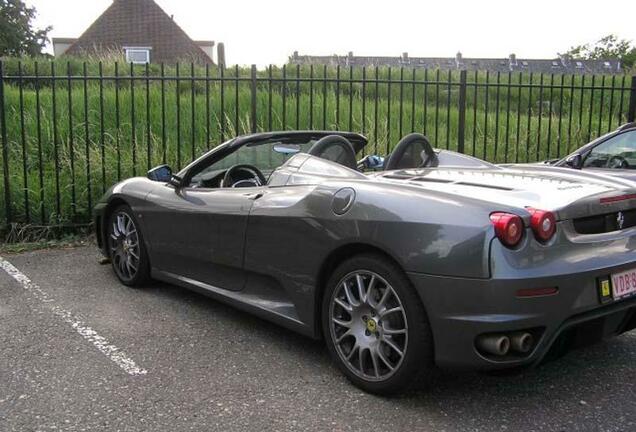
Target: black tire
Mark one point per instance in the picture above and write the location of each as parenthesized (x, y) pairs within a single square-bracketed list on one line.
[(417, 358), (142, 274)]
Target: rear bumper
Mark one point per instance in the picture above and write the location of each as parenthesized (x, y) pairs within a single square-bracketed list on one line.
[(461, 309)]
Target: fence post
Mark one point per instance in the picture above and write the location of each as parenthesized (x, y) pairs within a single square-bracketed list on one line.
[(631, 113), (5, 148), (461, 128), (253, 87)]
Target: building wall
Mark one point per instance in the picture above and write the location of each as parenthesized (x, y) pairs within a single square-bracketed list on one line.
[(207, 48), (60, 46)]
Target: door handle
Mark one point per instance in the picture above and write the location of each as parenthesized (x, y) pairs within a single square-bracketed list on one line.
[(254, 196)]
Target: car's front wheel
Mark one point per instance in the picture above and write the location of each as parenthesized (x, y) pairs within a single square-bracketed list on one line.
[(126, 249), (375, 325)]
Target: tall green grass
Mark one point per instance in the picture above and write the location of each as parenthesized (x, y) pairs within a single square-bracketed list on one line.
[(92, 133)]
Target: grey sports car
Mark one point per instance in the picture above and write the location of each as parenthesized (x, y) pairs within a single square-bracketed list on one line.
[(435, 258)]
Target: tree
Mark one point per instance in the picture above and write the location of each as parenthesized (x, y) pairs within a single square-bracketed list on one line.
[(17, 35), (607, 48)]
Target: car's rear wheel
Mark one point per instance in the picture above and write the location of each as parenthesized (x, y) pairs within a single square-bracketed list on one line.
[(126, 248), (375, 325)]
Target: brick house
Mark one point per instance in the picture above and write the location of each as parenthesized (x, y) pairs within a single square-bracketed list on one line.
[(141, 31)]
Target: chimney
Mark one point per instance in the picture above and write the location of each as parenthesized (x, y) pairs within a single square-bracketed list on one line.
[(512, 60), (405, 58), (565, 59), (459, 60), (295, 55), (349, 60), (220, 54)]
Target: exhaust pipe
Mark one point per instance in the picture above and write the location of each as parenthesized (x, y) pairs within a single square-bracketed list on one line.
[(521, 342), (494, 344)]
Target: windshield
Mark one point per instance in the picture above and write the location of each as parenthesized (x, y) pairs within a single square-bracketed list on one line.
[(617, 152), (266, 156)]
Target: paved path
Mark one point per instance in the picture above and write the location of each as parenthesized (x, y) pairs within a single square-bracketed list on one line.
[(197, 364)]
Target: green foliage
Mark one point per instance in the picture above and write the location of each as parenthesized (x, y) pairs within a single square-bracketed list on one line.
[(17, 35), (25, 238), (88, 134), (608, 47)]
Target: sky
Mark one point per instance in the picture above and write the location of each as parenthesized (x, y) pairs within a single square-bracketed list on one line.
[(268, 31)]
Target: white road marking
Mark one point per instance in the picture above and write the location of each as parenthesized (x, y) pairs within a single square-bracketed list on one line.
[(109, 350)]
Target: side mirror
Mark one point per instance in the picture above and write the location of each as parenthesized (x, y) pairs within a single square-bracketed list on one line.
[(575, 161), (161, 173)]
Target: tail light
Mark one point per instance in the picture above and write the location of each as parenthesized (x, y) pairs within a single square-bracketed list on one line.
[(508, 228), (543, 224)]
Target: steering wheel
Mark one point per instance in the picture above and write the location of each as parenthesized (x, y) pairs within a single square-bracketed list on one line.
[(617, 161), (257, 180)]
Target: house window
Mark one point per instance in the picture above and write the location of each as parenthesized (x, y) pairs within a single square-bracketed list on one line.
[(137, 55)]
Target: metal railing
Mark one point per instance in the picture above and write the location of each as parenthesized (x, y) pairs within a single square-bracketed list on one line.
[(70, 130)]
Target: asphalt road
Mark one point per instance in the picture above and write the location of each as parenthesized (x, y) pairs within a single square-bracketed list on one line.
[(210, 367)]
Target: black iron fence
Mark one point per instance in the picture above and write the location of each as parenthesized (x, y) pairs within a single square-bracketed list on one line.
[(70, 130)]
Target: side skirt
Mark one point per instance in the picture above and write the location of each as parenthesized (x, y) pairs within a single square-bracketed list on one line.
[(278, 312)]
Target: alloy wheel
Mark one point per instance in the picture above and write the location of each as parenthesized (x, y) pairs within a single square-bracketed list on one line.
[(368, 325), (123, 242)]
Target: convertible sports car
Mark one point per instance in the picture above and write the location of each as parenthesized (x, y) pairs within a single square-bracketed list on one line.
[(436, 259)]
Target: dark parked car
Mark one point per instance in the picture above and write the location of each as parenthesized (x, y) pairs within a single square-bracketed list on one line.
[(613, 154), (439, 259)]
